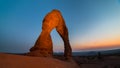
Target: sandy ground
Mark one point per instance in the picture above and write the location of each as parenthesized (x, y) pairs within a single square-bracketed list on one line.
[(19, 61)]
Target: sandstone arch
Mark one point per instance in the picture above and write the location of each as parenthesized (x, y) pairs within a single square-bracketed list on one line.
[(43, 45)]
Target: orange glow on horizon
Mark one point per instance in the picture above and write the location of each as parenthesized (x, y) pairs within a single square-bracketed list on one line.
[(99, 44)]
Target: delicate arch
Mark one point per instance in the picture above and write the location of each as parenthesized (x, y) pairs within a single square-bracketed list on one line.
[(43, 45)]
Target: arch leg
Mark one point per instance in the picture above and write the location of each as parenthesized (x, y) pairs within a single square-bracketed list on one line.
[(63, 32)]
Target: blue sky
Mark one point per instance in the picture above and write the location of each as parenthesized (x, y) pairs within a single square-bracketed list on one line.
[(91, 23)]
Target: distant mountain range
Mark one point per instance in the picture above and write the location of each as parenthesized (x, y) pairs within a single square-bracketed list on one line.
[(93, 53)]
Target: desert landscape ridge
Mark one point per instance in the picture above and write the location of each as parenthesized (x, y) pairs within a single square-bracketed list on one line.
[(18, 61)]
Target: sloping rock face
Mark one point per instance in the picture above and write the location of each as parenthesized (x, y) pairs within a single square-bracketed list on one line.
[(44, 46), (19, 61)]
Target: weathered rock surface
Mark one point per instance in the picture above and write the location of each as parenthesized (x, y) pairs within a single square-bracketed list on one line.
[(19, 61), (43, 46)]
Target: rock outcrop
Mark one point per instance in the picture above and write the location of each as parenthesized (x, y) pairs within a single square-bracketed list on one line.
[(19, 61), (43, 46)]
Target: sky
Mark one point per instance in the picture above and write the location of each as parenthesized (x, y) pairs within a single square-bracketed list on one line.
[(92, 24)]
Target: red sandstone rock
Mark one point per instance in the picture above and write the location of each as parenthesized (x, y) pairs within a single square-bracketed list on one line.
[(43, 45)]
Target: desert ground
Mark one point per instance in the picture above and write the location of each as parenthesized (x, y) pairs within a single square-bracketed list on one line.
[(97, 61), (21, 61), (110, 61), (58, 61)]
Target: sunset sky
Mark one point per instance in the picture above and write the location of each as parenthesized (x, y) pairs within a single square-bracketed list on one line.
[(92, 24)]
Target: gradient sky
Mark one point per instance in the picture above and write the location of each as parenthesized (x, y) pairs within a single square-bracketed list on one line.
[(92, 24)]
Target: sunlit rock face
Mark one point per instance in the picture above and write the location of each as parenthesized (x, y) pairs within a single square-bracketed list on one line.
[(44, 46)]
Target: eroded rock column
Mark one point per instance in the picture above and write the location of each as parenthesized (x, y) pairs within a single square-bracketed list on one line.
[(43, 46)]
